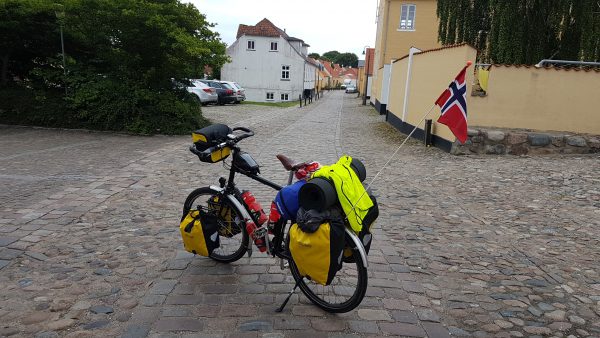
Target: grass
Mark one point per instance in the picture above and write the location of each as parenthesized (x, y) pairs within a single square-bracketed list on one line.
[(273, 104)]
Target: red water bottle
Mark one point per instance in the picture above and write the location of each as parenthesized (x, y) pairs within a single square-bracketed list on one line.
[(257, 234), (254, 207)]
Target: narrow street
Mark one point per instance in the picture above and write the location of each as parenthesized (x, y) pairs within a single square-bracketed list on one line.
[(470, 246)]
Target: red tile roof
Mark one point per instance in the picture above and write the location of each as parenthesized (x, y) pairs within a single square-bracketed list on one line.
[(263, 28)]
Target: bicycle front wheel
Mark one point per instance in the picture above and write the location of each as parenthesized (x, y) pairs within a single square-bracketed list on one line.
[(345, 292), (233, 237)]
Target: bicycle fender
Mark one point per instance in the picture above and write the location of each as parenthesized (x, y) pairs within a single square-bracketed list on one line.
[(359, 246)]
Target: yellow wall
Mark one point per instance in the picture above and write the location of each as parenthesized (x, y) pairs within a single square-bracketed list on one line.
[(392, 44), (540, 99), (431, 74), (376, 86)]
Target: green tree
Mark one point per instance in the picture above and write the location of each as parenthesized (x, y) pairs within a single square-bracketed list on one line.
[(315, 56), (348, 59), (523, 31), (28, 33), (332, 55), (124, 57)]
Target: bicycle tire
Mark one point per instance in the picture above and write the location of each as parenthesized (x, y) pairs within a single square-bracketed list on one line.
[(232, 247), (321, 299)]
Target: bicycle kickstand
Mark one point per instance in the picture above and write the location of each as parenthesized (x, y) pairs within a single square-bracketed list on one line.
[(287, 299)]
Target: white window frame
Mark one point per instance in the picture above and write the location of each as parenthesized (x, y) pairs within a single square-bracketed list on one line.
[(248, 45), (285, 97), (276, 46), (405, 17), (285, 73), (272, 94)]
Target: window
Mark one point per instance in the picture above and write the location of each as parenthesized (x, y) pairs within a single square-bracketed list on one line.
[(407, 18), (270, 96), (273, 46), (284, 97), (250, 44), (285, 72)]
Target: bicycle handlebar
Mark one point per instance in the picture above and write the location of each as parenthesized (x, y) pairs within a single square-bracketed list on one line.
[(231, 142)]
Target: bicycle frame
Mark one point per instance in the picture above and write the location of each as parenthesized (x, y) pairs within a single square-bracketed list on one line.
[(229, 190)]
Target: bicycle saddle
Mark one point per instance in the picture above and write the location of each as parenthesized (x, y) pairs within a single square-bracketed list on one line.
[(288, 163)]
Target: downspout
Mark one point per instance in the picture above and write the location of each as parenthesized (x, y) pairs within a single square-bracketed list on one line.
[(411, 52)]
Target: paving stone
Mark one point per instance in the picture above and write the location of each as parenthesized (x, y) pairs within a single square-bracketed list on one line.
[(3, 263), (328, 324), (428, 315), (369, 314), (96, 324), (405, 317), (178, 324), (361, 326), (101, 309), (163, 287), (8, 254), (402, 329), (6, 240), (256, 325), (136, 331), (436, 330), (152, 300)]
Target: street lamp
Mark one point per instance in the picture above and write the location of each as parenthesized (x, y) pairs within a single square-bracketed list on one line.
[(60, 15), (366, 79)]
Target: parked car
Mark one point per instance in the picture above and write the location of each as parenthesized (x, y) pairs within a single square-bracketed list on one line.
[(203, 92), (226, 95), (351, 89), (239, 91)]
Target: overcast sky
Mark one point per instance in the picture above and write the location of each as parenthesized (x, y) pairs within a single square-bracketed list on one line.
[(342, 25)]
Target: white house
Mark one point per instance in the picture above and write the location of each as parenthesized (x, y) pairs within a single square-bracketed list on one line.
[(269, 64)]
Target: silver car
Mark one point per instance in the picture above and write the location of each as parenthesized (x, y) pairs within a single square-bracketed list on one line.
[(204, 93), (240, 92)]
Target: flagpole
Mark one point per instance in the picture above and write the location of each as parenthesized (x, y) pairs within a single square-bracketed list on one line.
[(398, 149), (469, 63), (391, 157)]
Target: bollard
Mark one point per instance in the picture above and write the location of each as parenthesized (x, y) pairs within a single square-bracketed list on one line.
[(428, 133), (300, 99)]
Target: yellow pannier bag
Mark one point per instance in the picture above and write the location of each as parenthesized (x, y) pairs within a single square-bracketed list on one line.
[(318, 255), (199, 231)]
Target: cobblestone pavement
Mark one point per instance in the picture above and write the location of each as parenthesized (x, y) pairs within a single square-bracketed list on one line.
[(473, 246)]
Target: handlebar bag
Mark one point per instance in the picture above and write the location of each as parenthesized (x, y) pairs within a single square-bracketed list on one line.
[(287, 200), (318, 254), (199, 231), (211, 136)]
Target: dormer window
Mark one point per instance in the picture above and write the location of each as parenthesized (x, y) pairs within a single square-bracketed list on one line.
[(251, 45), (273, 46)]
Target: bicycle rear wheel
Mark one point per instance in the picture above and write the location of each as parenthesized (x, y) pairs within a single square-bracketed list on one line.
[(232, 233), (345, 292)]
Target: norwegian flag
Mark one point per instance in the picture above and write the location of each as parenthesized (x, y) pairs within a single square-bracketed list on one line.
[(453, 103)]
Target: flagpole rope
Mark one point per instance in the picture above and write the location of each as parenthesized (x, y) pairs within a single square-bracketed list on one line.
[(391, 157)]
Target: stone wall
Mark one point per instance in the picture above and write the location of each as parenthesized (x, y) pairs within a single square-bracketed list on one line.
[(520, 142)]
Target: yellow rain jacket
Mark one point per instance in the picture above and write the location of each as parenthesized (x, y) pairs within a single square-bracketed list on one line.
[(349, 189)]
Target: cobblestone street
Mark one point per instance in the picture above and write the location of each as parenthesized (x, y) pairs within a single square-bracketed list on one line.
[(468, 246)]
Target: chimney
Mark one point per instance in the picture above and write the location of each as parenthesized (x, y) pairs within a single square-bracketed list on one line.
[(284, 30)]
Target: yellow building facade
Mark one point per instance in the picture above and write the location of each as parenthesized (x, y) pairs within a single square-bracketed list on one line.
[(401, 25)]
